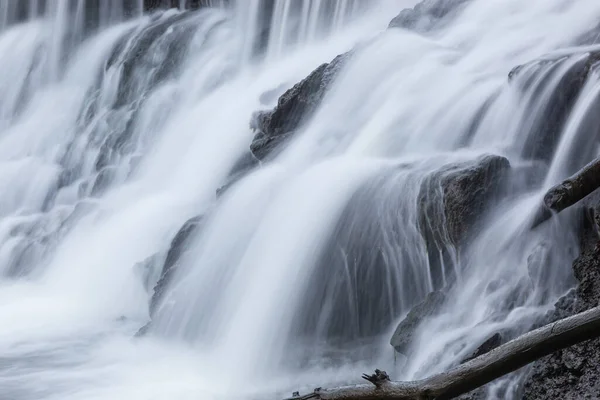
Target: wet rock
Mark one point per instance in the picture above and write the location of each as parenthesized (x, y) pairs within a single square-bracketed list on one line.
[(572, 373), (271, 96), (403, 336), (150, 5), (488, 345), (553, 97), (176, 250), (242, 167), (453, 200), (154, 57), (294, 107), (147, 269), (428, 15), (373, 266), (468, 191)]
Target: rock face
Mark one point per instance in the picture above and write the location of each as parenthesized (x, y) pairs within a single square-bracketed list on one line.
[(551, 106), (404, 334), (294, 107), (468, 190), (428, 15), (176, 250), (452, 203), (490, 344), (573, 373), (188, 4)]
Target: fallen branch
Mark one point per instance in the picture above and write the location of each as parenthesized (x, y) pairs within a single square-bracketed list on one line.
[(479, 371), (569, 192)]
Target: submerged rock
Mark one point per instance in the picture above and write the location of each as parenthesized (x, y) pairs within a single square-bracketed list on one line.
[(241, 168), (176, 250), (404, 335), (488, 345), (293, 108), (150, 5), (428, 15)]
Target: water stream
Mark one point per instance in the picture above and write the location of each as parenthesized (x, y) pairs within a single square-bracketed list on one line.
[(117, 126)]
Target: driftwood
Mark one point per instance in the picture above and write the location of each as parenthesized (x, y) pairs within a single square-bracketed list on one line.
[(479, 371), (569, 192)]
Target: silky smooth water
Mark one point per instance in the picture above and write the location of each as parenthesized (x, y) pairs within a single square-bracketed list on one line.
[(117, 127)]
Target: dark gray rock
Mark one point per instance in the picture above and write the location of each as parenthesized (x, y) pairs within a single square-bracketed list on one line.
[(462, 192), (428, 15), (468, 190), (293, 108), (150, 5), (404, 334), (573, 373), (488, 345), (176, 250), (241, 168), (550, 106), (452, 202)]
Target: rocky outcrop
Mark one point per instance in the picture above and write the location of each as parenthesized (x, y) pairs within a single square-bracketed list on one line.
[(176, 250), (246, 163), (488, 345), (465, 191), (293, 108), (404, 334), (573, 373), (150, 5), (553, 85), (468, 190), (428, 15), (452, 202)]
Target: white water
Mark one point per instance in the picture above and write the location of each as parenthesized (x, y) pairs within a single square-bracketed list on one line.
[(97, 177)]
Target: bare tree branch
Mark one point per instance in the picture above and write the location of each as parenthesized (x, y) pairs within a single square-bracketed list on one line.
[(569, 192), (477, 372)]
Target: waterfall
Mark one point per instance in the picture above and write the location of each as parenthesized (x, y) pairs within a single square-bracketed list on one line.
[(119, 122)]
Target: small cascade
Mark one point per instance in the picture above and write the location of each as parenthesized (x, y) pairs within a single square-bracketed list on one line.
[(403, 173)]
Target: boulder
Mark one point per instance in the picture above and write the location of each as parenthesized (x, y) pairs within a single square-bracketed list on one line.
[(294, 107), (428, 15), (150, 5), (468, 190), (452, 202), (403, 336)]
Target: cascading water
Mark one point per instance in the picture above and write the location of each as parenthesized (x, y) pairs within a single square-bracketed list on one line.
[(117, 127)]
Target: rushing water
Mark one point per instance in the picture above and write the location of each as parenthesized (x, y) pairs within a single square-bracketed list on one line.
[(117, 126)]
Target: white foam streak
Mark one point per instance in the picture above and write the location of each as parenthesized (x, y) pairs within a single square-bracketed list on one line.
[(112, 137)]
